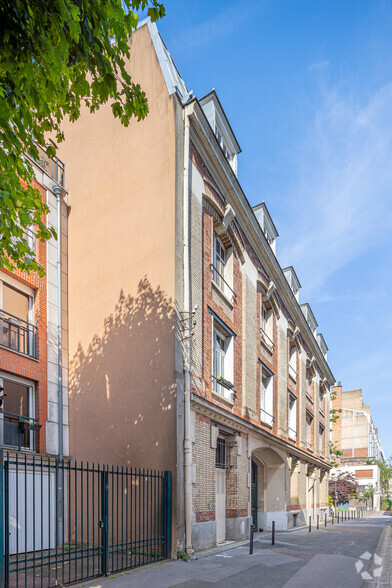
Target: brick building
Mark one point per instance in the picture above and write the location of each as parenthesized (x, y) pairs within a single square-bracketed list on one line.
[(189, 349), (354, 433), (29, 319)]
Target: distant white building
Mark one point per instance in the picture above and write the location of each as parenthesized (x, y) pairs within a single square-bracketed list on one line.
[(367, 476)]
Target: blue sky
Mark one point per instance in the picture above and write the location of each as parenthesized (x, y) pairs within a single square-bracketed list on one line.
[(307, 87)]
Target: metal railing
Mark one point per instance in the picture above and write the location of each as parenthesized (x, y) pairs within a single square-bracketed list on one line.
[(219, 383), (17, 334), (309, 397), (292, 434), (308, 445), (292, 373), (266, 340), (266, 417), (215, 273), (18, 431), (110, 519)]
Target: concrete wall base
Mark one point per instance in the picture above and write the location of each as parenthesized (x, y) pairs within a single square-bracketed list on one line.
[(203, 535), (238, 529)]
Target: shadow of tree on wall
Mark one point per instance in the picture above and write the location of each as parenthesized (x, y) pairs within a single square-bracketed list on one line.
[(123, 388)]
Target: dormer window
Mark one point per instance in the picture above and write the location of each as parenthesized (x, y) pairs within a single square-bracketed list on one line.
[(292, 280), (309, 316), (322, 344), (266, 223), (221, 127)]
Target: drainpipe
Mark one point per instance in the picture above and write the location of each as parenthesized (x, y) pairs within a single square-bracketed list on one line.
[(60, 478), (187, 345)]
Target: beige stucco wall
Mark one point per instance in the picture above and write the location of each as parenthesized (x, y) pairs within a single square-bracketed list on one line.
[(121, 183)]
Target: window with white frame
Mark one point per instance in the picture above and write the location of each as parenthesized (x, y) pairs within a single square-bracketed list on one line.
[(17, 330), (222, 371), (293, 362), (17, 412), (321, 397), (321, 440), (267, 396), (309, 421), (309, 380), (267, 325), (292, 417), (219, 263)]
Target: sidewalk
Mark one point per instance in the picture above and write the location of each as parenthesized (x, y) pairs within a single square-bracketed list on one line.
[(344, 555)]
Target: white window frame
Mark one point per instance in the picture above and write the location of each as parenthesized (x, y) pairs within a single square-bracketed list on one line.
[(308, 438), (292, 417), (321, 440), (222, 362), (219, 262), (266, 395), (309, 380), (293, 362)]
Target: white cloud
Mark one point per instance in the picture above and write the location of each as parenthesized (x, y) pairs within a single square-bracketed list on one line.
[(319, 65), (341, 205)]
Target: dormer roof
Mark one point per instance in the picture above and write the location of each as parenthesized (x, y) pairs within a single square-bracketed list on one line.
[(310, 318), (220, 117), (292, 278)]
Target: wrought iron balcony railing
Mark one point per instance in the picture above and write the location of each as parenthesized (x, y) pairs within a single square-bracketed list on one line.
[(215, 275), (292, 434), (18, 431), (266, 340), (266, 417), (224, 388), (292, 373), (17, 334)]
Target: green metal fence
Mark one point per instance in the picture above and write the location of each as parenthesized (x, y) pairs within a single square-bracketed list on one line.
[(62, 523)]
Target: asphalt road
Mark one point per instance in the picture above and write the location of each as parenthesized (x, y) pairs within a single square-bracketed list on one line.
[(349, 555)]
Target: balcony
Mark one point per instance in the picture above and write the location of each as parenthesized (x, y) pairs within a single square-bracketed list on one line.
[(266, 341), (266, 417), (292, 434), (223, 388), (17, 334), (292, 373), (18, 431)]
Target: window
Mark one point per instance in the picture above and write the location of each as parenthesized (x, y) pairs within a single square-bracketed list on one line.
[(17, 331), (17, 412), (219, 263), (292, 417), (267, 396), (222, 375), (321, 398), (220, 454), (267, 326), (321, 440), (309, 380), (309, 420), (293, 362)]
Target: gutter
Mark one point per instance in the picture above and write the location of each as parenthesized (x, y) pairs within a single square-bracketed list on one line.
[(188, 343)]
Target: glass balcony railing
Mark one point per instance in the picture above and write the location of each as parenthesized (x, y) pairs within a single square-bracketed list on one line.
[(17, 334), (18, 431)]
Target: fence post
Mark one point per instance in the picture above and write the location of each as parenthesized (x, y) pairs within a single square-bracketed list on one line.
[(167, 513), (2, 550), (104, 523)]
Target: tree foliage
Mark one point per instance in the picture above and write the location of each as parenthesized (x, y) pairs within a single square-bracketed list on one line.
[(342, 487), (54, 57), (385, 473)]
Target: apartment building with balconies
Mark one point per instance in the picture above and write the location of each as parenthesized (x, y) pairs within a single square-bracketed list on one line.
[(189, 349), (354, 432), (30, 310)]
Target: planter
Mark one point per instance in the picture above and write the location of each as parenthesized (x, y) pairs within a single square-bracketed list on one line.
[(225, 383), (26, 426)]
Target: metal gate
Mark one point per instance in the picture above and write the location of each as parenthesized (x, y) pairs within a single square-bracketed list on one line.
[(62, 523)]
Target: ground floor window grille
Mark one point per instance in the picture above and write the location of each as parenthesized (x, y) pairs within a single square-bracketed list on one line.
[(221, 454)]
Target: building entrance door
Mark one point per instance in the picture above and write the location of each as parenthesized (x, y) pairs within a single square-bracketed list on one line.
[(254, 495), (220, 513)]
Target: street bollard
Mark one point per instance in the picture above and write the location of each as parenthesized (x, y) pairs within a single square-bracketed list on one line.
[(338, 517), (332, 517), (273, 533), (325, 519), (310, 524), (252, 530), (318, 522)]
